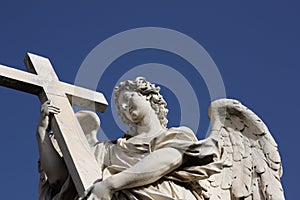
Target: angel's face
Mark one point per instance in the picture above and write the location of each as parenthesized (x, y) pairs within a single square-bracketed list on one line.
[(133, 105)]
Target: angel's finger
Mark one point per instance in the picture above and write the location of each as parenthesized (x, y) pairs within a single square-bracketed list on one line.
[(88, 192), (53, 107), (53, 111), (93, 197), (46, 103)]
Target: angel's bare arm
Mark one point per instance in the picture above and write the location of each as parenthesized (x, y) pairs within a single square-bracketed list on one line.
[(51, 162), (148, 170)]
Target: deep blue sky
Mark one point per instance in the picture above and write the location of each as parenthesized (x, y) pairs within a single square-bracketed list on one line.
[(255, 46)]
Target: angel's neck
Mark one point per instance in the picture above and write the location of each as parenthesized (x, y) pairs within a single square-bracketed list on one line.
[(149, 126)]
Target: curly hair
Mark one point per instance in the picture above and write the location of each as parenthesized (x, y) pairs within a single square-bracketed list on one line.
[(143, 87)]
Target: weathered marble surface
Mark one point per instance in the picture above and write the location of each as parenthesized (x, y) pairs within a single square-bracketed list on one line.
[(41, 80), (239, 158)]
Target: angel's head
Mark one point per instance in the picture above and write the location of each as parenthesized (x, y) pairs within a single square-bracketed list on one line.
[(133, 97)]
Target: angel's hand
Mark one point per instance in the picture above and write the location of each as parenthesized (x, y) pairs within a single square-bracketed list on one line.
[(47, 109), (100, 191)]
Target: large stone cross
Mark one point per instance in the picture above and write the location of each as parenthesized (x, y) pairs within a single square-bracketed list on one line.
[(43, 82)]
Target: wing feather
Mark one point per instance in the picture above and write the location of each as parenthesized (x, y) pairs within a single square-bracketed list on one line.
[(251, 161), (226, 178)]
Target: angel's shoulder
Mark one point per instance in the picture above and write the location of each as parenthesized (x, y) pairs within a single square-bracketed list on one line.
[(184, 129), (182, 132)]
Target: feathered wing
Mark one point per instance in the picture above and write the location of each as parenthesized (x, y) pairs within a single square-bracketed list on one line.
[(252, 165)]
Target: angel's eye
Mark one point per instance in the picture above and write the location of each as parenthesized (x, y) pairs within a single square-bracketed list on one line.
[(124, 106)]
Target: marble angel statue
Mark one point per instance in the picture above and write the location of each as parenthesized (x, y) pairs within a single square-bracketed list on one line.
[(238, 160)]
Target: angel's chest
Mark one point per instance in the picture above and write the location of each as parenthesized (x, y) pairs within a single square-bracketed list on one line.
[(127, 155)]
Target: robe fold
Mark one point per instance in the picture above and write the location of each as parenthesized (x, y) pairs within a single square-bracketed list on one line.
[(200, 160)]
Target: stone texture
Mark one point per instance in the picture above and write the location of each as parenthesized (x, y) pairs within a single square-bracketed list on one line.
[(238, 160), (42, 81)]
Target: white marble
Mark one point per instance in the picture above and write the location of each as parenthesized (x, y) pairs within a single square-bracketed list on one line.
[(238, 159), (41, 80)]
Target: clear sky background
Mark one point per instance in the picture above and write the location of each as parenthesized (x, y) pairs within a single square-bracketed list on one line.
[(254, 45)]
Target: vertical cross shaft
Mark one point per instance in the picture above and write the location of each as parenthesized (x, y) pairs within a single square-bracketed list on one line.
[(42, 81)]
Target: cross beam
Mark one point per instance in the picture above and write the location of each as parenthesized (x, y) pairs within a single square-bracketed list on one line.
[(43, 82)]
